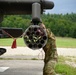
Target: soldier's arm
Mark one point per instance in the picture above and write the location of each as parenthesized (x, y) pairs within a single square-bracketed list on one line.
[(49, 33)]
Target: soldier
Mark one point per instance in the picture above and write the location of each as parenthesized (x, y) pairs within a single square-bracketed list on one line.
[(51, 55)]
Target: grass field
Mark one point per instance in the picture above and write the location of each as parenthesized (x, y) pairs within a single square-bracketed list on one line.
[(61, 42), (64, 69), (8, 42), (66, 42)]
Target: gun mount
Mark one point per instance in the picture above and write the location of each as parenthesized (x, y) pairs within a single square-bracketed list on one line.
[(35, 37), (22, 6), (11, 7)]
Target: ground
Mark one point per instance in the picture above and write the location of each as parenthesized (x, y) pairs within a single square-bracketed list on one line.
[(28, 51), (21, 66)]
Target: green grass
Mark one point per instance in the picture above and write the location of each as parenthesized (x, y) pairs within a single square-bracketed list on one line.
[(64, 69), (61, 42), (66, 42), (9, 41)]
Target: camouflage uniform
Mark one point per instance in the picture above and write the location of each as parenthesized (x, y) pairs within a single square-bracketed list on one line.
[(50, 55)]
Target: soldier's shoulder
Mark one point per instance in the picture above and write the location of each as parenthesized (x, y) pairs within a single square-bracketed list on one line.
[(50, 34)]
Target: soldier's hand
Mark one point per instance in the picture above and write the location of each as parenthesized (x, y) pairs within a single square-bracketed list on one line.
[(42, 25)]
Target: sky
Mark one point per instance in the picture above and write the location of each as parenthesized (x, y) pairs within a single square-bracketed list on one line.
[(63, 6)]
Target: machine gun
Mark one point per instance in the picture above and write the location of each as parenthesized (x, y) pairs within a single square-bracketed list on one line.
[(35, 37)]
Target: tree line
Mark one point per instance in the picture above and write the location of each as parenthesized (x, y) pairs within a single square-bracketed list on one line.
[(61, 25)]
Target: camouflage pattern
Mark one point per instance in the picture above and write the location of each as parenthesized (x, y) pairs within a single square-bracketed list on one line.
[(51, 55)]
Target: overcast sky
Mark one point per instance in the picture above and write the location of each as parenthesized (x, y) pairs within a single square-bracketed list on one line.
[(63, 6)]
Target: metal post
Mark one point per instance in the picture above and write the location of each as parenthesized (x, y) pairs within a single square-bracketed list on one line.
[(36, 12)]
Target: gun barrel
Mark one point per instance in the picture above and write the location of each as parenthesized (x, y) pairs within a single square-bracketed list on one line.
[(9, 7)]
